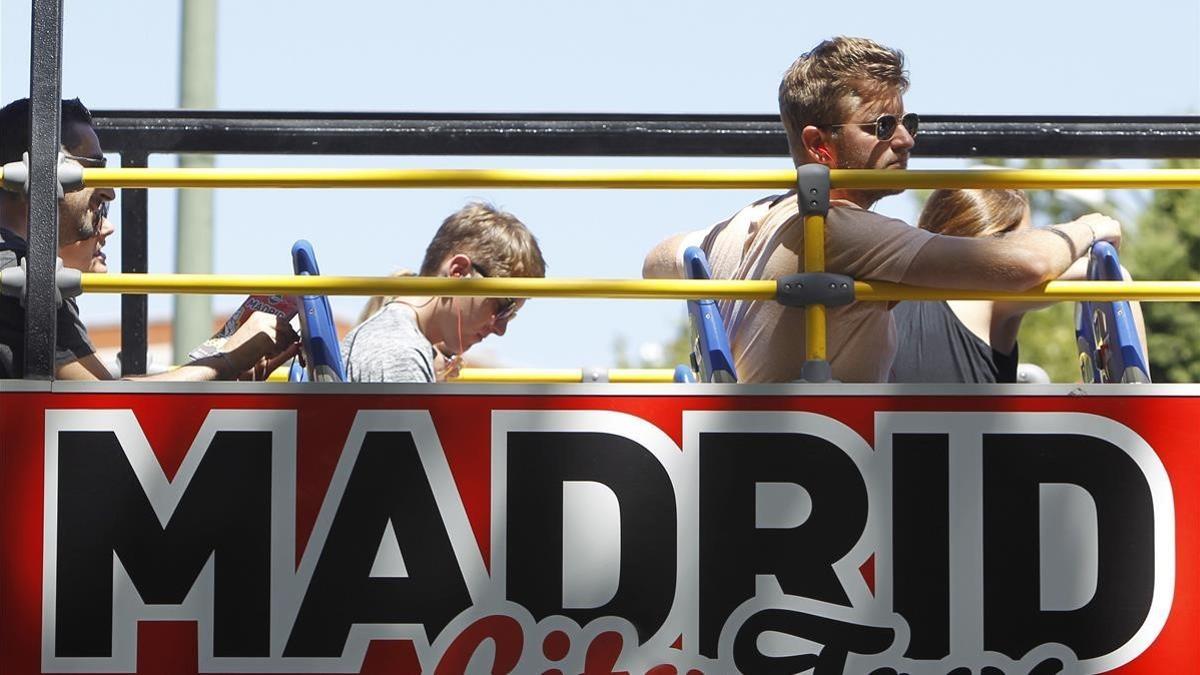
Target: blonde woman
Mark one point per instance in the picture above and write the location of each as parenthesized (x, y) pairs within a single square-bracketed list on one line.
[(968, 340)]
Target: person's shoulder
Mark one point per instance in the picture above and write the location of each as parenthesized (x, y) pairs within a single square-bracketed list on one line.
[(850, 218), (399, 315), (388, 347), (388, 316), (758, 209), (781, 203), (851, 212), (395, 322), (767, 213)]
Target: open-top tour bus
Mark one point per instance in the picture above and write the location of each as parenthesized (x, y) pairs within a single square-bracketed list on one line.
[(601, 527)]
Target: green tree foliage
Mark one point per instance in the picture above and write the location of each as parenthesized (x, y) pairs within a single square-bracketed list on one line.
[(1047, 339), (1167, 248)]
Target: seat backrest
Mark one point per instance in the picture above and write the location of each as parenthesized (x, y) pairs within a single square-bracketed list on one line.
[(1109, 347), (318, 332), (684, 374), (711, 353)]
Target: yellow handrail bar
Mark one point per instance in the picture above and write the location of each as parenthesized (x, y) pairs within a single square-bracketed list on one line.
[(636, 179), (814, 261), (644, 289), (564, 375), (427, 286)]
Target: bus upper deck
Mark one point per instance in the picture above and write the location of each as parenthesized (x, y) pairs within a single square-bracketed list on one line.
[(594, 527)]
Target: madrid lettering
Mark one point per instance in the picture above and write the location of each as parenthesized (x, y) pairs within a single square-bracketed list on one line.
[(764, 542)]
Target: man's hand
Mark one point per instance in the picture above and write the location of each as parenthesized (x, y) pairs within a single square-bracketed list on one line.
[(262, 344), (445, 366), (1103, 227)]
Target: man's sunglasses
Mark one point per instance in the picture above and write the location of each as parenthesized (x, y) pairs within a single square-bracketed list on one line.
[(87, 162), (92, 229), (885, 125), (506, 308)]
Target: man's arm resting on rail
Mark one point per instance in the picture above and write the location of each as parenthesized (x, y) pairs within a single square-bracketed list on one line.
[(89, 368), (260, 345), (1014, 262), (84, 368)]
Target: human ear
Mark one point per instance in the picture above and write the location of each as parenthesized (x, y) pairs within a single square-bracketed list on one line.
[(816, 149), (458, 265)]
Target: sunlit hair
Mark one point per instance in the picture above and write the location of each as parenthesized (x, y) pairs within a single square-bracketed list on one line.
[(494, 240), (826, 84), (973, 213)]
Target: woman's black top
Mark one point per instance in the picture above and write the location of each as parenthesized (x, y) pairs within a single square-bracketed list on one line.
[(934, 346)]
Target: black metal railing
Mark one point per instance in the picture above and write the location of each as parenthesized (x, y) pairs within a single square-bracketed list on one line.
[(335, 133), (138, 133)]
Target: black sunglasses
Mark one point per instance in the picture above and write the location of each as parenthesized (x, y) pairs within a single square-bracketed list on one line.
[(886, 124), (88, 162), (91, 230), (506, 308)]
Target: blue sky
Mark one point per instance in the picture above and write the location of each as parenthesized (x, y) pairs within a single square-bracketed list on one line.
[(1104, 57)]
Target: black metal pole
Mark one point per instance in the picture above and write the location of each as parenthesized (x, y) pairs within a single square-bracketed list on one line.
[(134, 256), (587, 134), (45, 110)]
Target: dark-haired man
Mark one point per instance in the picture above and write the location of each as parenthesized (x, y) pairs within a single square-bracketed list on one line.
[(842, 106), (83, 227)]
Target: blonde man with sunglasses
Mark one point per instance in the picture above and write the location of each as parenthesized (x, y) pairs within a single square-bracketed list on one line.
[(842, 105), (421, 339)]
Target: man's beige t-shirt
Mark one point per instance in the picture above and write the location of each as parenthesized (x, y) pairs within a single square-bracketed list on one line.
[(766, 241)]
